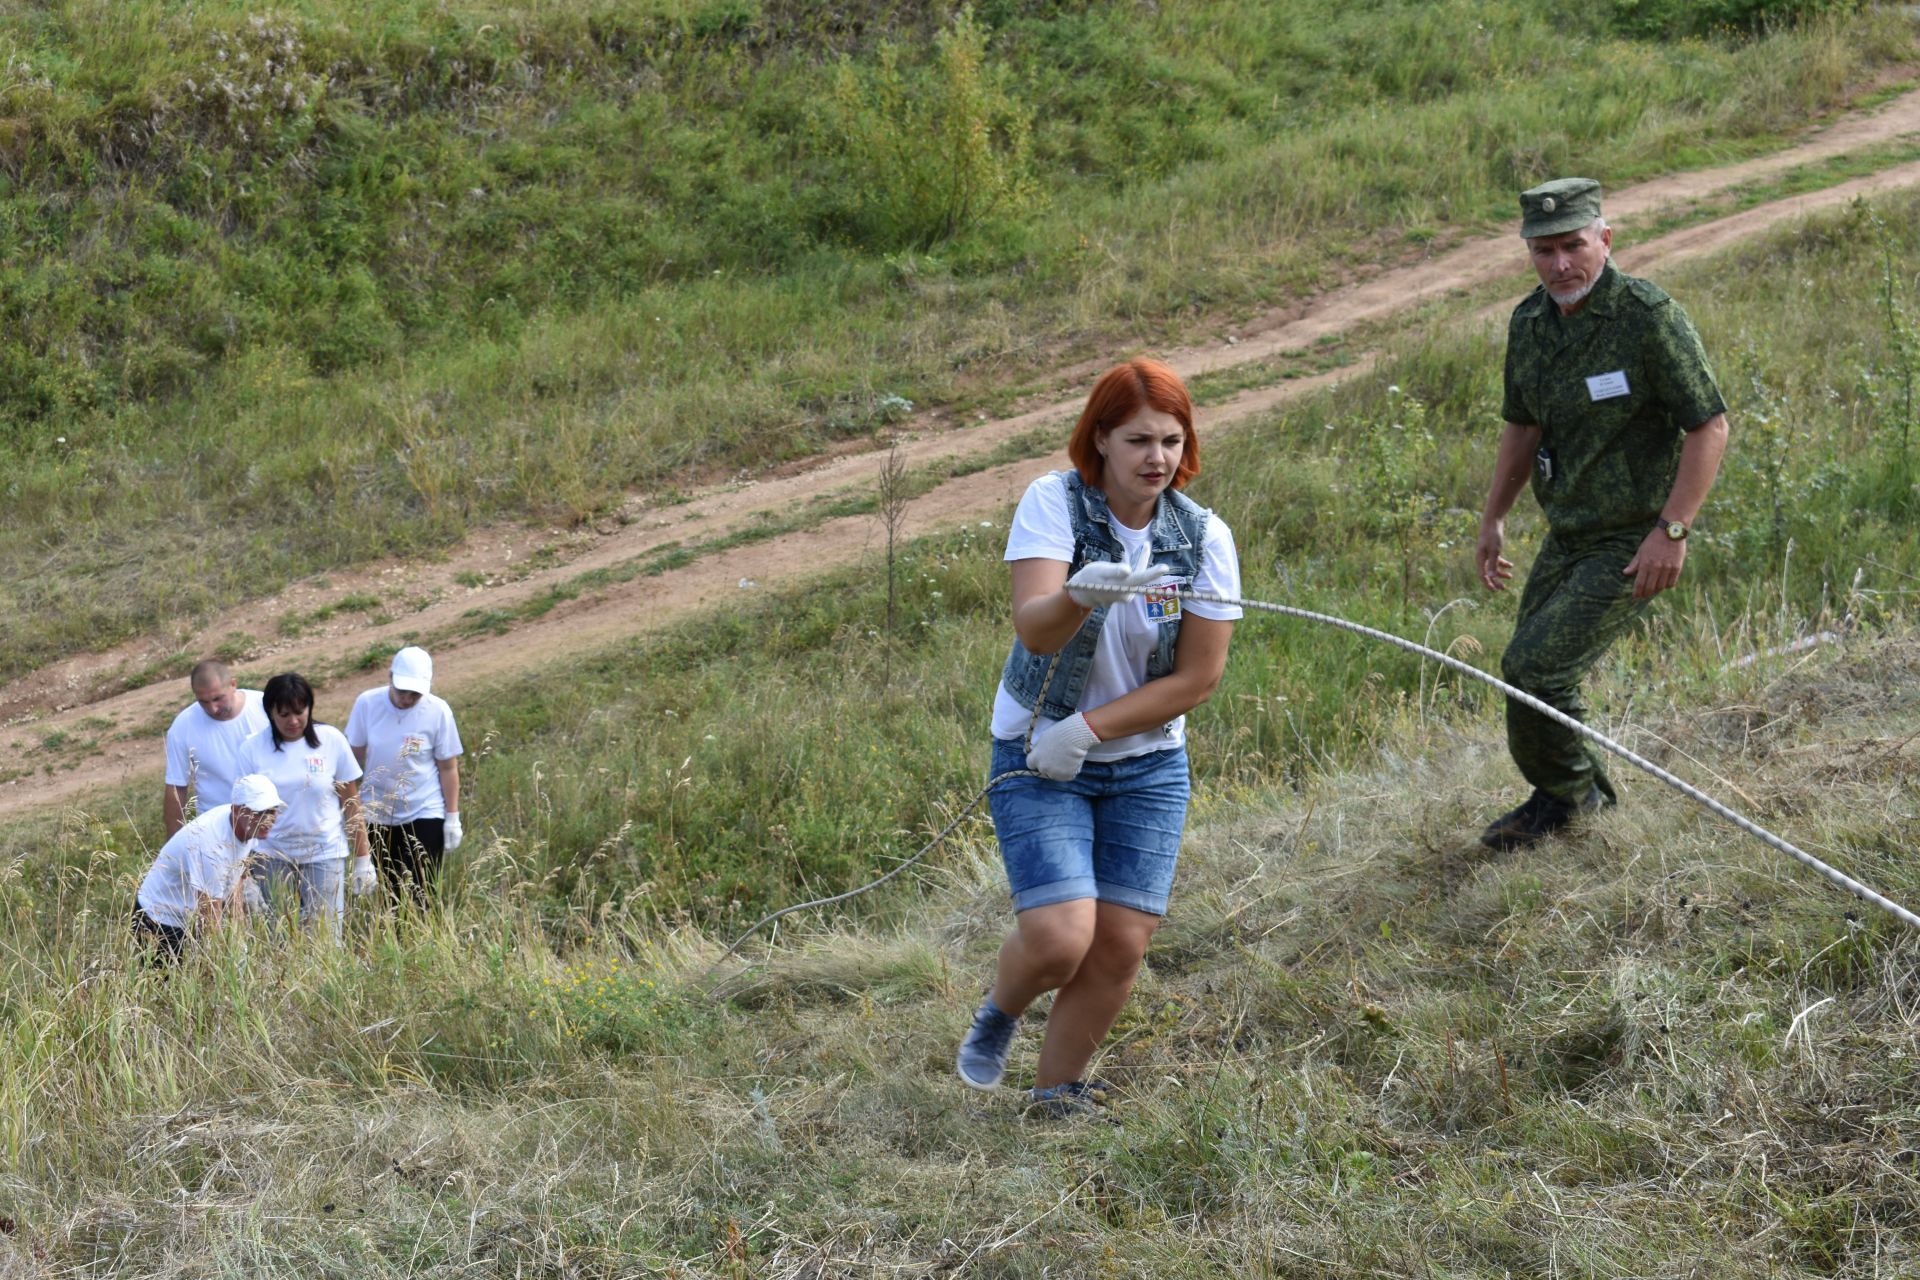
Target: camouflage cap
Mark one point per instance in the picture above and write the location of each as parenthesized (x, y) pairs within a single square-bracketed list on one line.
[(1557, 207)]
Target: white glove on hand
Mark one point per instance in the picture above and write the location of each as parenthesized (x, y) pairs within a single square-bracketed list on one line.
[(1109, 582), (253, 902), (451, 832), (363, 877), (1061, 748)]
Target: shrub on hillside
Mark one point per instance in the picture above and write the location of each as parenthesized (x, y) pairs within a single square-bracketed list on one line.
[(1658, 19), (932, 153)]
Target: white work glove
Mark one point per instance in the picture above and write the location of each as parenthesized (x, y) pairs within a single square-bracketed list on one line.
[(1061, 748), (450, 831), (1110, 582), (253, 901), (363, 877)]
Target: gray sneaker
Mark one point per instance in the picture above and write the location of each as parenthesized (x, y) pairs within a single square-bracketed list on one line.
[(983, 1054)]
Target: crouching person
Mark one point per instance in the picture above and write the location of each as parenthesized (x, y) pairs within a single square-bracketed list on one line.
[(196, 881)]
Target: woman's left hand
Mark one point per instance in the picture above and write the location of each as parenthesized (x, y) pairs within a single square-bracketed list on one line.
[(1061, 748)]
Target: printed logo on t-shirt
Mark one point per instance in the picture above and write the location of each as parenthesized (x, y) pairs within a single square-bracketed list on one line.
[(316, 765), (412, 745), (1163, 601)]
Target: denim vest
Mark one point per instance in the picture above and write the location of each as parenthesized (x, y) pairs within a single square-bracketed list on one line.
[(1178, 538)]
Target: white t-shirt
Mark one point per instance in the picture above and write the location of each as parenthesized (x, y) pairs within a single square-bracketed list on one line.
[(202, 752), (311, 829), (202, 857), (404, 749), (1043, 530)]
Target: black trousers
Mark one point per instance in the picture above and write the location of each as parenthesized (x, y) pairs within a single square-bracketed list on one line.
[(407, 857), (162, 942)]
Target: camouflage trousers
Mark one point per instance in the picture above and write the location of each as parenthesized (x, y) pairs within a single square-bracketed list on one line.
[(1576, 604)]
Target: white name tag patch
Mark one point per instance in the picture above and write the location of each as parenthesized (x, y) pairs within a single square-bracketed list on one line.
[(1607, 386)]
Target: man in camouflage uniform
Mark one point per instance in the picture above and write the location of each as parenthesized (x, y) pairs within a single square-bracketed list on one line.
[(1613, 415)]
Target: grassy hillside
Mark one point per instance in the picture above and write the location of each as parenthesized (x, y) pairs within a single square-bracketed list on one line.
[(1364, 1045), (284, 290), (799, 726)]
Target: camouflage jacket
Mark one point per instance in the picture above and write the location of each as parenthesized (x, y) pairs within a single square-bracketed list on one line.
[(1614, 388)]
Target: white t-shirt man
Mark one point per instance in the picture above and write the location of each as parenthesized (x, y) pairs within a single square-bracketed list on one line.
[(404, 749), (204, 753), (202, 857), (311, 829), (1043, 530)]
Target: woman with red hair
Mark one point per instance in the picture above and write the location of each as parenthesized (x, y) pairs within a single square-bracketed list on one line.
[(1107, 660)]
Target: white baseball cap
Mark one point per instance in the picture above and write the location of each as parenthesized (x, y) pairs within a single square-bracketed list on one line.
[(412, 670), (255, 791)]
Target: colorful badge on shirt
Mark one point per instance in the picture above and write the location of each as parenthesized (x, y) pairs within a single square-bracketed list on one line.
[(1163, 601)]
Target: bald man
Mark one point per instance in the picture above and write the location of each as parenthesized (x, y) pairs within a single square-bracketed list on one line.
[(203, 743)]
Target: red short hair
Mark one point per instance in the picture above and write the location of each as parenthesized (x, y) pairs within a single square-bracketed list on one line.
[(1123, 391)]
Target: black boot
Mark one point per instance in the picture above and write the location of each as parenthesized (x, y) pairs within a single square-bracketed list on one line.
[(1537, 818)]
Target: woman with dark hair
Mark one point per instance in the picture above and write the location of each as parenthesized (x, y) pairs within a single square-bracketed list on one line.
[(315, 772), (1107, 659)]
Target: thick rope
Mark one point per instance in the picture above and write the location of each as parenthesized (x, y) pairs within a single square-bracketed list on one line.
[(1747, 825)]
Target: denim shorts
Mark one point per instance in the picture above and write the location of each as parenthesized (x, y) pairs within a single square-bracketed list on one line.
[(1113, 833), (318, 887)]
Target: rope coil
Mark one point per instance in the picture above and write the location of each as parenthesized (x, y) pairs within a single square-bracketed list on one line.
[(1839, 878)]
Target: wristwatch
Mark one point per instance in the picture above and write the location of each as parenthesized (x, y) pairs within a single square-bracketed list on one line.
[(1677, 530)]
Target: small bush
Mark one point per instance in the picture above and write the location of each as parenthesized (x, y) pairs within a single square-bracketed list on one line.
[(611, 1006), (1391, 459), (1668, 19), (930, 155)]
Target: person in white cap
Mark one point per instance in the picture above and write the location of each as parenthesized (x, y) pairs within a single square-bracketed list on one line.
[(196, 880), (405, 738), (203, 742), (314, 769)]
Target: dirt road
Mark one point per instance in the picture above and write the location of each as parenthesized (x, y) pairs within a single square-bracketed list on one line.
[(85, 699)]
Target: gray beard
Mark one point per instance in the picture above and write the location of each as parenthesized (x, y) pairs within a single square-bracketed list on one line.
[(1568, 299), (1579, 295)]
